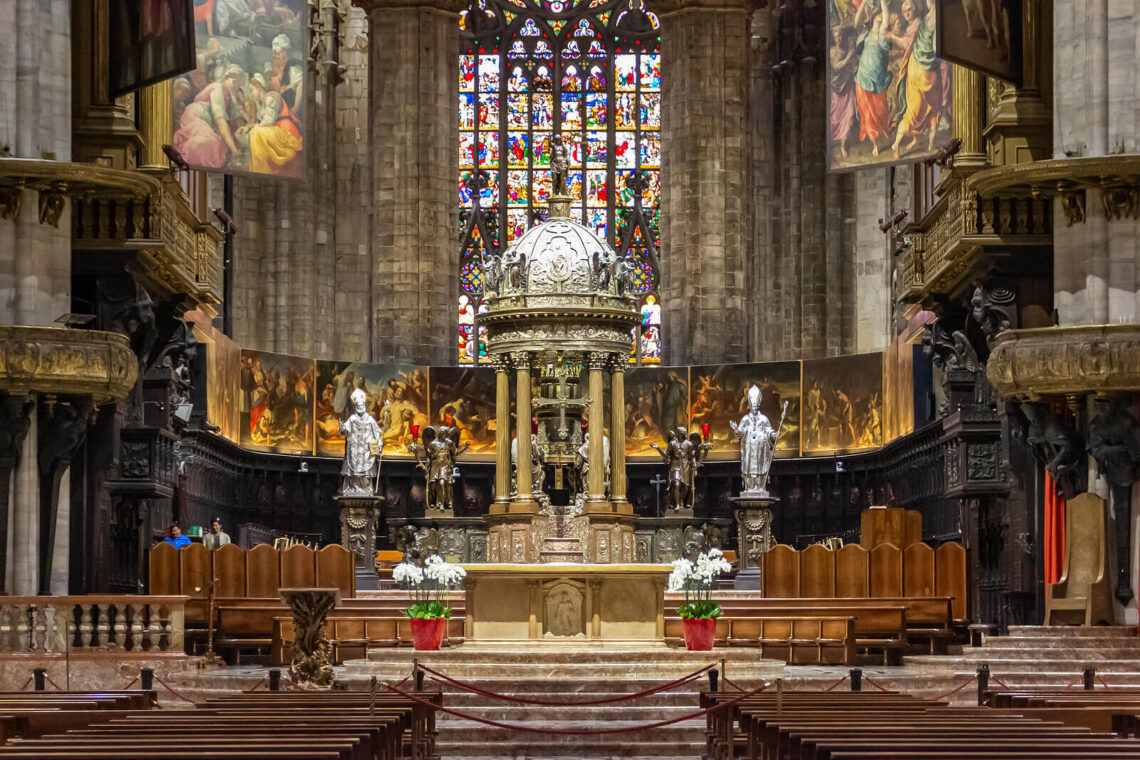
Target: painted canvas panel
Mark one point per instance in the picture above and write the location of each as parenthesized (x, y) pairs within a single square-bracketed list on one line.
[(843, 408), (889, 94), (464, 397), (276, 396), (242, 109), (403, 387), (656, 401), (719, 394), (223, 357), (150, 40), (982, 34)]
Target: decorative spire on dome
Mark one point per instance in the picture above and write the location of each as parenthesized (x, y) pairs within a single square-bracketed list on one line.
[(559, 165)]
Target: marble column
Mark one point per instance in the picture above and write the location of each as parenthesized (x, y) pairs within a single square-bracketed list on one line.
[(596, 481), (414, 62), (502, 366), (618, 366), (25, 531), (706, 228), (524, 499)]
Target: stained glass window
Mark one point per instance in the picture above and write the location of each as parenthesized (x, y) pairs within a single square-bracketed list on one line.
[(589, 70)]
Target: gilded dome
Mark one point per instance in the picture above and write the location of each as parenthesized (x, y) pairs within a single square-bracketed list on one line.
[(558, 256)]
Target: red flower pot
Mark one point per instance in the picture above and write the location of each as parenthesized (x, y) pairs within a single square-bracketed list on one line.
[(699, 633), (427, 633)]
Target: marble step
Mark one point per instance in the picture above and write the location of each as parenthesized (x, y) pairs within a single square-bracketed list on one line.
[(471, 654), (595, 716), (538, 749), (1091, 652), (691, 731), (1072, 631), (1039, 645), (594, 673), (1013, 665)]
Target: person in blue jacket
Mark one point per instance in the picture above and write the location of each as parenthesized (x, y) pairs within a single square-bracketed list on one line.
[(176, 539)]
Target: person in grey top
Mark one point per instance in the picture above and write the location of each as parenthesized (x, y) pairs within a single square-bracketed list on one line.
[(216, 537)]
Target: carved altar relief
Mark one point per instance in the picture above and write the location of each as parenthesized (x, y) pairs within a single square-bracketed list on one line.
[(563, 609)]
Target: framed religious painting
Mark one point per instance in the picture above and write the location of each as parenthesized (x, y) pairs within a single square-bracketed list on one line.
[(656, 401), (276, 402), (148, 41), (464, 398), (984, 35), (719, 394), (889, 94), (241, 110), (400, 389), (842, 404)]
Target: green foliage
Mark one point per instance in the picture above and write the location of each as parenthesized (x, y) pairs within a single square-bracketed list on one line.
[(704, 608), (428, 610)]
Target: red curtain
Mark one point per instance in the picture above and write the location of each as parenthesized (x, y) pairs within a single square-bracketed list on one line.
[(1054, 533)]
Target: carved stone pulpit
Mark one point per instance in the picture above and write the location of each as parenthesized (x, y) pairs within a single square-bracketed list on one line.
[(311, 667)]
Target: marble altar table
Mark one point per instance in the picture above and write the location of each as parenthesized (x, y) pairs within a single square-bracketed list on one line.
[(565, 603)]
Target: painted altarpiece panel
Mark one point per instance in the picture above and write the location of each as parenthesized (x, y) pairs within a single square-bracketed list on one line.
[(404, 387), (276, 402), (719, 394), (842, 403)]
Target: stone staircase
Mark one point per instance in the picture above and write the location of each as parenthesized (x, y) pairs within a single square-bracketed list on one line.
[(565, 675)]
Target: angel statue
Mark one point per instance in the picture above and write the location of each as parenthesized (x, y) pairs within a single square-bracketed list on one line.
[(684, 453), (435, 455), (757, 442), (363, 438)]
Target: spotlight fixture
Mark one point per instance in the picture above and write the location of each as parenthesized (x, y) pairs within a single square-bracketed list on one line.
[(228, 226), (945, 153), (886, 225), (175, 157)]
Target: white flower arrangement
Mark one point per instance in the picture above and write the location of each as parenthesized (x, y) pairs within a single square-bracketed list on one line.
[(427, 585), (696, 579)]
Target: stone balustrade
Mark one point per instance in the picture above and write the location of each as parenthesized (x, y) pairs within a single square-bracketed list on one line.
[(92, 624)]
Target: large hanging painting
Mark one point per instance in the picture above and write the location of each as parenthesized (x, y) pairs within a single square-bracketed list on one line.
[(149, 40), (223, 357), (656, 401), (842, 403), (889, 94), (276, 394), (719, 394), (403, 388), (464, 397), (984, 35), (242, 109)]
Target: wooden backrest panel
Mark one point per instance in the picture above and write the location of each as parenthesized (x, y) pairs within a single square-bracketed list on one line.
[(262, 572), (912, 528), (817, 572), (298, 567), (336, 567), (164, 570), (950, 576), (781, 572), (886, 571), (229, 569), (852, 578), (196, 567), (1084, 543), (918, 570)]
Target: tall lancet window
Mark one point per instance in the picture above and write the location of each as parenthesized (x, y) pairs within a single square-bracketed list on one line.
[(591, 71)]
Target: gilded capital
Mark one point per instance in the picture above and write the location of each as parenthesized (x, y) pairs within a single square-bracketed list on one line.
[(501, 362), (520, 359), (596, 361), (618, 364)]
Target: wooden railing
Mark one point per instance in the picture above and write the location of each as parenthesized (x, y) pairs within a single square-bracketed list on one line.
[(93, 623)]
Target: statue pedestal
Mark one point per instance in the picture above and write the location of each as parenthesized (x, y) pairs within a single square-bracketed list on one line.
[(358, 518), (754, 522)]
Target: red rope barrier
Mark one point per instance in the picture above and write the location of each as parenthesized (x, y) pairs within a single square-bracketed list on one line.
[(954, 691), (871, 681), (53, 683), (172, 691), (999, 682), (729, 682), (837, 684), (132, 683), (1102, 681), (1073, 682), (25, 686), (607, 700), (255, 686), (578, 732)]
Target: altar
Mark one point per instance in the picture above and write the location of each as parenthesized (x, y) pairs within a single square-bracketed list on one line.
[(565, 604)]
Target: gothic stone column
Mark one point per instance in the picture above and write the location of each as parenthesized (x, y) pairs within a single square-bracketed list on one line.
[(705, 216), (414, 61)]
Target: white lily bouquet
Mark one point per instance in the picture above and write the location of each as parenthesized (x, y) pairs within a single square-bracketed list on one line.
[(696, 580), (427, 585)]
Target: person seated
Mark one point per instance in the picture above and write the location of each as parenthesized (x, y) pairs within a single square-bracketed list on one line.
[(175, 538), (216, 537)]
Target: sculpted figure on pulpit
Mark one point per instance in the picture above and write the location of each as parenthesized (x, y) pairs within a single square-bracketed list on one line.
[(757, 442), (362, 446), (435, 455)]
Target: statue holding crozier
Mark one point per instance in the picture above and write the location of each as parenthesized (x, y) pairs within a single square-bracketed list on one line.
[(757, 444), (362, 447)]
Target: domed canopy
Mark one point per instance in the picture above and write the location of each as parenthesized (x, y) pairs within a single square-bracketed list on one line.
[(562, 256)]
